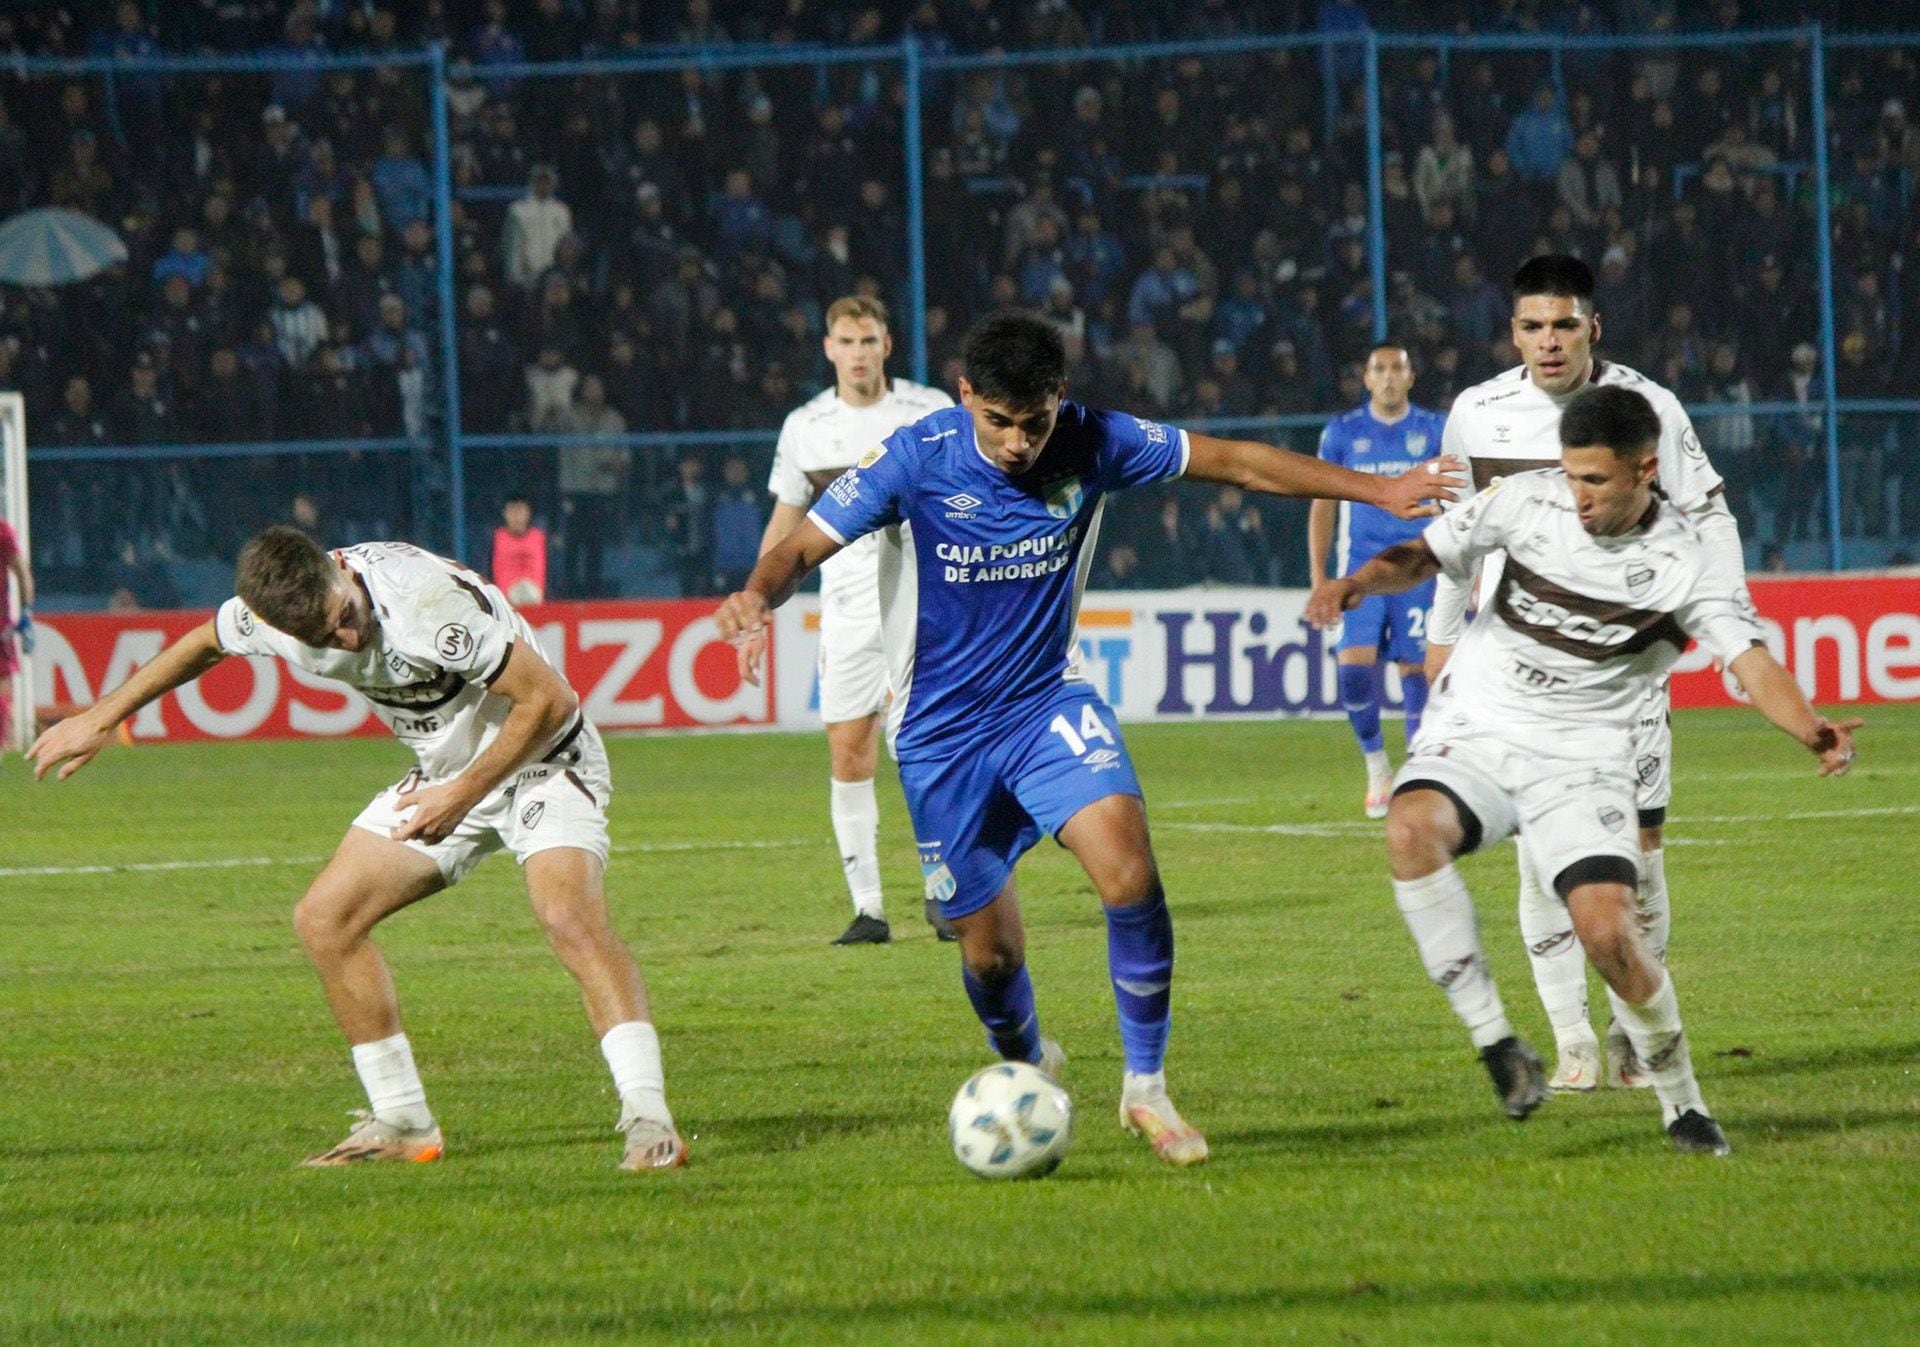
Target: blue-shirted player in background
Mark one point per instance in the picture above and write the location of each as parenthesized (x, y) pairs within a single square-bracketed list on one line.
[(1387, 436), (990, 510)]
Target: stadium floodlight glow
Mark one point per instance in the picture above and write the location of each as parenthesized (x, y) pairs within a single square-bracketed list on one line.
[(13, 508)]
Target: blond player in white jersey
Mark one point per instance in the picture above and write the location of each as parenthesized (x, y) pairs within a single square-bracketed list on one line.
[(1532, 726), (504, 759), (1511, 424), (820, 440)]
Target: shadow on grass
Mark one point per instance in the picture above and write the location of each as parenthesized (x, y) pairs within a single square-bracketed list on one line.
[(1752, 1129), (1763, 1063)]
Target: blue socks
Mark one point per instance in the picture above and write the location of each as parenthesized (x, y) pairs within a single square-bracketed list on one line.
[(1360, 699), (1140, 960), (1413, 692), (1013, 1026)]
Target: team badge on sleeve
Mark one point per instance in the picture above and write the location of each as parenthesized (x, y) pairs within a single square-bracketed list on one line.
[(453, 641), (872, 456)]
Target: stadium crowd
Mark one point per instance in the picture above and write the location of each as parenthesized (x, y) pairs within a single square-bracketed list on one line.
[(653, 253)]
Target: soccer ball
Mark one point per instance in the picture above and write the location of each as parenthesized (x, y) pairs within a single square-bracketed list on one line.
[(1011, 1120)]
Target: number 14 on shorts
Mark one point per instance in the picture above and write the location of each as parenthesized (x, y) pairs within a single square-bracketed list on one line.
[(1091, 728)]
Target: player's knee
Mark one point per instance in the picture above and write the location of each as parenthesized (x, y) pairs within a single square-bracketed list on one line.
[(571, 924), (1604, 919), (1129, 881), (324, 924), (1416, 840), (993, 963)]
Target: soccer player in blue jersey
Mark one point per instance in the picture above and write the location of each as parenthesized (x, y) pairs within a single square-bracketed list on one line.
[(1389, 435), (990, 510)]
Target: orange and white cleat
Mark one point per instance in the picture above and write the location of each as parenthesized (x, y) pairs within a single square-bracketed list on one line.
[(1145, 1110), (374, 1139), (1379, 796), (1578, 1070), (651, 1144)]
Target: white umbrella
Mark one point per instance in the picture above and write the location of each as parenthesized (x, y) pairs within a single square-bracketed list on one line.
[(56, 246)]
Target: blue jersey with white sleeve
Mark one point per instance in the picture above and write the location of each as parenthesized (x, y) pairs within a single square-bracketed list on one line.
[(999, 560), (1361, 441)]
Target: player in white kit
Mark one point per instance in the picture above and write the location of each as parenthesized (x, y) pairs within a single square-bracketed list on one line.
[(504, 759), (1511, 424), (1532, 726), (820, 440)]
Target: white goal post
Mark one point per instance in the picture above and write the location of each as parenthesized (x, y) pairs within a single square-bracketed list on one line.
[(13, 508)]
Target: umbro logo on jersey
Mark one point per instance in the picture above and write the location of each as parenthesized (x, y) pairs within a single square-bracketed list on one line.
[(1101, 759), (961, 506)]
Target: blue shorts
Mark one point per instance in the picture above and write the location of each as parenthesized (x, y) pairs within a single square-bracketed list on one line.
[(1394, 624), (977, 812)]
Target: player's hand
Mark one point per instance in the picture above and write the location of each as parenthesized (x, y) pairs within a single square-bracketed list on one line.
[(73, 742), (1832, 743), (1329, 600), (437, 811), (743, 619), (1417, 494), (1436, 662)]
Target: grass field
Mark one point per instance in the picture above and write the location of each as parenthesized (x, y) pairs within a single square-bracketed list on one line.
[(165, 1058)]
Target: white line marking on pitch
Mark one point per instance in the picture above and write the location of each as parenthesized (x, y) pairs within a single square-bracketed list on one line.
[(251, 862)]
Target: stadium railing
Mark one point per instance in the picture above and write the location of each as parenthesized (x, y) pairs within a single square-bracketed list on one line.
[(452, 476)]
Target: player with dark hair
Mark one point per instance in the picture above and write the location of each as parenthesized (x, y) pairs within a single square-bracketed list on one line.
[(1532, 725), (1387, 435), (1511, 424), (989, 512), (504, 759)]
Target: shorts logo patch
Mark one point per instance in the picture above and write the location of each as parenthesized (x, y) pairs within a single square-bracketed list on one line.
[(1638, 578), (1611, 819), (941, 885), (530, 816), (453, 641), (1646, 767), (1101, 759)]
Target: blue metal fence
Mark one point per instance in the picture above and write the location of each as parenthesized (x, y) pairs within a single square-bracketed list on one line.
[(917, 67)]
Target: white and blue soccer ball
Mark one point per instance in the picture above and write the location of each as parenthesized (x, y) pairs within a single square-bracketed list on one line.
[(1011, 1120)]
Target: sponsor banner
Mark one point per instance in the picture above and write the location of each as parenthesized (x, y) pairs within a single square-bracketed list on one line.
[(1170, 655), (636, 665), (1853, 638)]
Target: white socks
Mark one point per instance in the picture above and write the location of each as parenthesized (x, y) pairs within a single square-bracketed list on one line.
[(1439, 913), (1559, 961), (632, 1051), (856, 828), (1378, 767), (1653, 1027), (394, 1091), (1656, 910)]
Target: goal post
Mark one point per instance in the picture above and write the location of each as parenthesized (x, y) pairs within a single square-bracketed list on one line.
[(13, 508)]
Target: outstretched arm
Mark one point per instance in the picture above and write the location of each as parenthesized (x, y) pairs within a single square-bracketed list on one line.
[(1777, 697), (1322, 520), (78, 738), (1399, 568), (783, 521), (1279, 472), (743, 617)]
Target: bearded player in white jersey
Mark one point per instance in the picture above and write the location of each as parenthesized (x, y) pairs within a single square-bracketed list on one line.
[(820, 440), (1511, 424), (504, 759), (1532, 727)]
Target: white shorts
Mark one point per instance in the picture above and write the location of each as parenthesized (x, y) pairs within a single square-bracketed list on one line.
[(853, 668), (557, 803), (1653, 752), (1570, 810)]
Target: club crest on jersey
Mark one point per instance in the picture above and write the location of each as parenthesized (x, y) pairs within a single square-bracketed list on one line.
[(1638, 578), (872, 456), (1361, 445), (1503, 434), (1612, 819), (1064, 497), (245, 622), (1416, 445)]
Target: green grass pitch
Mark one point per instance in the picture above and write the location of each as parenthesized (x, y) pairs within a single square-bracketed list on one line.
[(165, 1058)]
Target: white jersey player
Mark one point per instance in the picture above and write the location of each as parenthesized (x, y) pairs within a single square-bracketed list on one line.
[(1532, 726), (1511, 424), (504, 758), (820, 440)]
